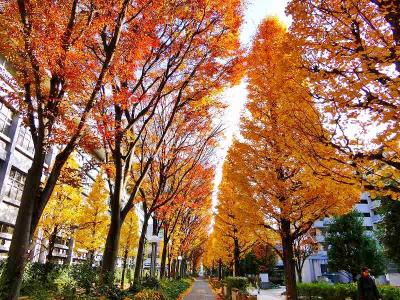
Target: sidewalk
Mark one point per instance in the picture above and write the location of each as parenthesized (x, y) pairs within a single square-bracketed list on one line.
[(270, 294), (200, 291)]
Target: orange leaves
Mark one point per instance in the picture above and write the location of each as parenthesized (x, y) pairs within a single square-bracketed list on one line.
[(353, 69), (281, 167)]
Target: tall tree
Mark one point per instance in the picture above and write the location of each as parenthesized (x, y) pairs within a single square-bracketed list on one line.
[(93, 219), (353, 64), (192, 54), (60, 54), (350, 248), (179, 170), (292, 177), (234, 211), (196, 188)]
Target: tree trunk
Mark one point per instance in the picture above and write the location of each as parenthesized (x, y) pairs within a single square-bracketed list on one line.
[(14, 268), (139, 255), (124, 267), (112, 242), (91, 257), (173, 268), (220, 269), (236, 258), (50, 248), (163, 256), (288, 261), (299, 276)]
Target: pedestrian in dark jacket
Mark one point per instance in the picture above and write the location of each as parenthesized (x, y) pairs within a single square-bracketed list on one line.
[(367, 289)]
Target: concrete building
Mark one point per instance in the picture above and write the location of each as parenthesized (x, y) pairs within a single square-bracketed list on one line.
[(316, 266)]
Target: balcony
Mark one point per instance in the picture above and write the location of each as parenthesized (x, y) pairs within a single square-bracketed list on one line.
[(319, 238), (319, 224), (376, 219)]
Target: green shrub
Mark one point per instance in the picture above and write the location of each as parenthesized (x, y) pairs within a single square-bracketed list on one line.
[(150, 283), (389, 292), (240, 283), (341, 291), (85, 276), (149, 295), (327, 291), (173, 288)]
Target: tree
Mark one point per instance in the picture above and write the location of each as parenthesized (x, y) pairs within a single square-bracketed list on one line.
[(303, 247), (60, 54), (388, 228), (232, 228), (293, 177), (192, 54), (353, 62), (261, 259), (178, 169), (59, 218), (196, 189), (350, 248), (129, 241), (93, 219)]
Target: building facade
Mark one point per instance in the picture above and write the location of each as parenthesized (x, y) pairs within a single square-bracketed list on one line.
[(316, 266)]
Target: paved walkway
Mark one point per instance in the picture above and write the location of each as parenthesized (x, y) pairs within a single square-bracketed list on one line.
[(270, 294), (200, 291)]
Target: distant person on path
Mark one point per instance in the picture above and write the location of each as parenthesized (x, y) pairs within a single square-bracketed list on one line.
[(258, 282), (367, 289)]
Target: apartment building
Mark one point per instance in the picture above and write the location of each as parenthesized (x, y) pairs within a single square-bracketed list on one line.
[(317, 264)]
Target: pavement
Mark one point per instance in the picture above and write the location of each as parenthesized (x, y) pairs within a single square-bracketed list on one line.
[(200, 291), (270, 294)]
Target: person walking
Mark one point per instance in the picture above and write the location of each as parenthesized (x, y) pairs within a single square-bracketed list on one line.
[(367, 289)]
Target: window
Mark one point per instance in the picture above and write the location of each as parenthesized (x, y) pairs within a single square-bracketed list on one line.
[(324, 269), (5, 228), (5, 118), (369, 228), (25, 139), (363, 201), (59, 240), (367, 214), (15, 184)]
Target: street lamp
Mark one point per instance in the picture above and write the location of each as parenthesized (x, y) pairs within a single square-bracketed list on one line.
[(180, 265)]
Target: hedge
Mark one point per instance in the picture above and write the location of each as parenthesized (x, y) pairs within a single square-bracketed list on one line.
[(341, 291), (240, 283)]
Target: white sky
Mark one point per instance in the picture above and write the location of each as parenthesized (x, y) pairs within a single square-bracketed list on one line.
[(236, 97)]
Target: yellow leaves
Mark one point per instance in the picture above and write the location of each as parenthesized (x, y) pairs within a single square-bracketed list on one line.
[(93, 218), (129, 234), (282, 169), (65, 201)]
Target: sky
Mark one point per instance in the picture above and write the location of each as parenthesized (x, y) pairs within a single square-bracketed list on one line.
[(235, 97)]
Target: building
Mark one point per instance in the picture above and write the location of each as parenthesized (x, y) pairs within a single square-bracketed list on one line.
[(316, 266)]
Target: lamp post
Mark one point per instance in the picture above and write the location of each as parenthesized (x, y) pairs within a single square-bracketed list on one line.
[(179, 265)]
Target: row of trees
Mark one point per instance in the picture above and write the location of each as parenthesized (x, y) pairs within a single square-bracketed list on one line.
[(298, 157), (134, 79)]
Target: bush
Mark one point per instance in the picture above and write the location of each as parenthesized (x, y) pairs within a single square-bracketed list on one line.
[(341, 291), (240, 283), (150, 283), (327, 291), (85, 276), (389, 292), (173, 288), (149, 295)]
